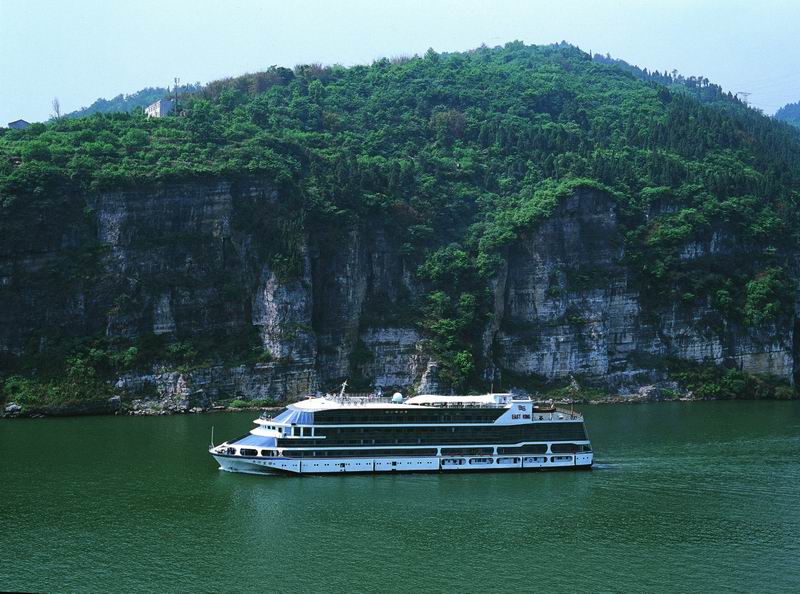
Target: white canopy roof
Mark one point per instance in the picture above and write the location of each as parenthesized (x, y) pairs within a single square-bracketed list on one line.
[(315, 404), (434, 399), (327, 403)]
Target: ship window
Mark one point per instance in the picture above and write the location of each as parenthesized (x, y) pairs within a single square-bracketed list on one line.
[(248, 452), (526, 449)]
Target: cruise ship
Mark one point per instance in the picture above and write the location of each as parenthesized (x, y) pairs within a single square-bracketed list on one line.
[(350, 434)]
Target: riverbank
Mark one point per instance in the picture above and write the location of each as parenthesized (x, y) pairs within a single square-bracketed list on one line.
[(165, 407), (137, 408)]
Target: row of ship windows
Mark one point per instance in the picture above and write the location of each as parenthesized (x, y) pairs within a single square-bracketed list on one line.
[(393, 416), (453, 462), (290, 431), (436, 439), (495, 429), (483, 461), (556, 448), (367, 464), (542, 431), (358, 453), (252, 452), (426, 429)]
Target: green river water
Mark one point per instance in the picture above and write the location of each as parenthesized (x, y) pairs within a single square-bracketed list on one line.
[(684, 496)]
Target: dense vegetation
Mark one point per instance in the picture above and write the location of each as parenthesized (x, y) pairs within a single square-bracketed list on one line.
[(457, 154), (790, 114)]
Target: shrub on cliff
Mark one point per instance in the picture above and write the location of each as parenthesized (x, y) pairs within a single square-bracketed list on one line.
[(79, 384), (711, 382)]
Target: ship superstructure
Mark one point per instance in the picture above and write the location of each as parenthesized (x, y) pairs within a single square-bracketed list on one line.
[(340, 433)]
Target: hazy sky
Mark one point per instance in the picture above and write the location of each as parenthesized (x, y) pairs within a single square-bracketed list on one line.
[(79, 50)]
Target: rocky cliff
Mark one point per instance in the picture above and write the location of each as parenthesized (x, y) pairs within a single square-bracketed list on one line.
[(570, 307), (188, 260)]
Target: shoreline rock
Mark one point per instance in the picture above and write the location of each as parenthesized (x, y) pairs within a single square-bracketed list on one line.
[(111, 406), (117, 406)]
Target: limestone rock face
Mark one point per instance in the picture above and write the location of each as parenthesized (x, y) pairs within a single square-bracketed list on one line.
[(394, 358), (340, 288), (569, 307), (282, 310), (429, 383), (549, 327), (180, 392), (163, 318), (191, 260)]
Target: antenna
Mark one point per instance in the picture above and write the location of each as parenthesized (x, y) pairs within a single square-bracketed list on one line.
[(177, 80), (344, 385)]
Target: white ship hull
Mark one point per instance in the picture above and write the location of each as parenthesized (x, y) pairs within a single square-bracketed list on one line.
[(402, 464)]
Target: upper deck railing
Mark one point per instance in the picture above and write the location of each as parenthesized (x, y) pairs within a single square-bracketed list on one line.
[(364, 399), (554, 410), (503, 401), (540, 411)]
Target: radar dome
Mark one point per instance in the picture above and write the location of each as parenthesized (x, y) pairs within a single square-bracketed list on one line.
[(397, 397)]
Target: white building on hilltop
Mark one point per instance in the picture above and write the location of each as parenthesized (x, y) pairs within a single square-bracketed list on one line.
[(159, 109)]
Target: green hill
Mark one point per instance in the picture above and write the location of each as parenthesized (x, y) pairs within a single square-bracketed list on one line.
[(458, 155), (790, 114)]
